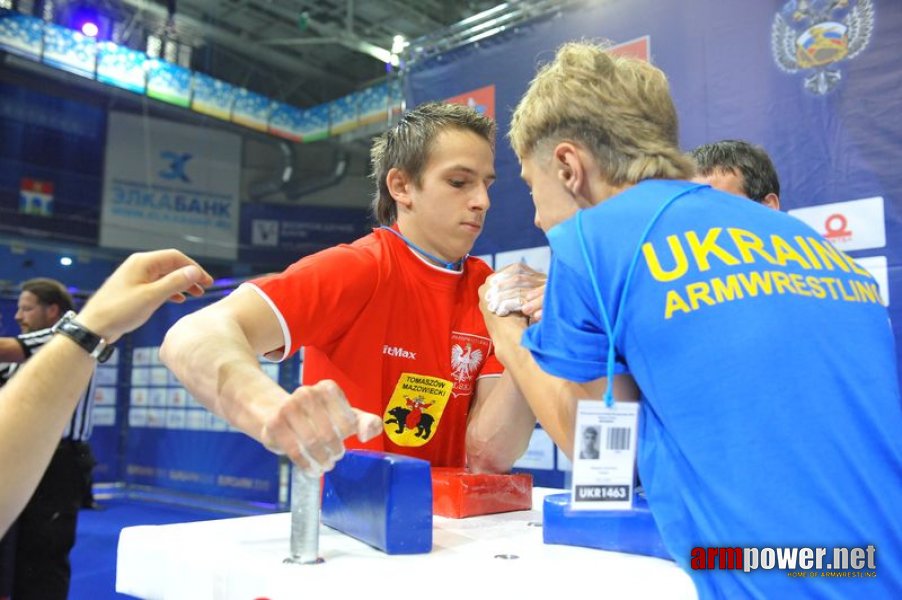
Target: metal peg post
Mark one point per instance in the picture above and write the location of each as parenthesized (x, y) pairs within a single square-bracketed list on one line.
[(306, 496)]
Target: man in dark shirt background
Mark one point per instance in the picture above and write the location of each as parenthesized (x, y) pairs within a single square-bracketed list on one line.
[(34, 554)]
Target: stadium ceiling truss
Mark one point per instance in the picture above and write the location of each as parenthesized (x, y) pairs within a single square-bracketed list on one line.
[(310, 51)]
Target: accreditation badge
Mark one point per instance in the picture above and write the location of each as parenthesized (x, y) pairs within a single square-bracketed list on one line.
[(415, 409), (604, 456)]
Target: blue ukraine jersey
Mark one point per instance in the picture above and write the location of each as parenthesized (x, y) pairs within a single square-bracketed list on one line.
[(770, 410)]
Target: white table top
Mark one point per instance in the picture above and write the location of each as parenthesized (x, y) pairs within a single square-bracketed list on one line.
[(241, 558)]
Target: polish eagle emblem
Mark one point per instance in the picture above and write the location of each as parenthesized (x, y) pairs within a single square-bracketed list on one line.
[(464, 361), (815, 35)]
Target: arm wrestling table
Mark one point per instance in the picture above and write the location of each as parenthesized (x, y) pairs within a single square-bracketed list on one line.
[(241, 558)]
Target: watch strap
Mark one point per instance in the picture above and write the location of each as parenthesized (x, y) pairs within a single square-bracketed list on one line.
[(92, 343)]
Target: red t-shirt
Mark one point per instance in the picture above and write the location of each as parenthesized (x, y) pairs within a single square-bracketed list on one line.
[(403, 338)]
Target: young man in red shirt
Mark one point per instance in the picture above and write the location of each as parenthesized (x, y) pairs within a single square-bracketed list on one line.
[(396, 349)]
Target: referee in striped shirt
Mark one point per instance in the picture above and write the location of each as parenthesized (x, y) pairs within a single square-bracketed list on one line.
[(35, 551)]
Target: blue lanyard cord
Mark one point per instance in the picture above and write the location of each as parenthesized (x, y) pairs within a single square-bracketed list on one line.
[(451, 266), (608, 396), (615, 330)]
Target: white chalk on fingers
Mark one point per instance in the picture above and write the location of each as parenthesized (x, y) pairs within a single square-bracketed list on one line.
[(369, 426), (503, 306), (508, 306), (313, 468), (500, 306)]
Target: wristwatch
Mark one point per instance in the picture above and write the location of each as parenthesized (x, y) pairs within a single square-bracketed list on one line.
[(93, 344)]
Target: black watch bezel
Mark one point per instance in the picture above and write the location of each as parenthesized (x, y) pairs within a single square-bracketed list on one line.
[(92, 343)]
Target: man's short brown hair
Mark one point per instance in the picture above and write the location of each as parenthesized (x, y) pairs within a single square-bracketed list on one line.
[(407, 145), (48, 292)]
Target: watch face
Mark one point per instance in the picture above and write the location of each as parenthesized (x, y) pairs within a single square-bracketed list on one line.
[(66, 318)]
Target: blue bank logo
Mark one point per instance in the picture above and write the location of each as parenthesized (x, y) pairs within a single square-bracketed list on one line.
[(177, 163), (815, 36)]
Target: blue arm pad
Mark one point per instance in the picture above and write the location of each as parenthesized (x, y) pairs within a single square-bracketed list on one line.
[(382, 499), (632, 531)]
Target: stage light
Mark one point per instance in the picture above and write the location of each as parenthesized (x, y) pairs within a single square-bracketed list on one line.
[(89, 20), (90, 29), (66, 261), (399, 42)]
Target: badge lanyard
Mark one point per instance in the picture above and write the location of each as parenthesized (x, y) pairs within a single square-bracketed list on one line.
[(614, 330), (605, 432), (457, 265)]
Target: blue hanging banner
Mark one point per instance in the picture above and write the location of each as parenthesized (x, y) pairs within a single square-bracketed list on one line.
[(280, 233), (175, 443)]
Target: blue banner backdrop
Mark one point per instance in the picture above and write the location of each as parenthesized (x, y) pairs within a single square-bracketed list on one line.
[(174, 443), (816, 84), (58, 141), (282, 233), (148, 431)]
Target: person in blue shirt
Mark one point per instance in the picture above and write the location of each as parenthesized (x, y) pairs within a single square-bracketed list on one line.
[(761, 357)]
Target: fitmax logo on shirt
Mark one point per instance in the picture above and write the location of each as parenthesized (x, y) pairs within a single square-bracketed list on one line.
[(399, 352)]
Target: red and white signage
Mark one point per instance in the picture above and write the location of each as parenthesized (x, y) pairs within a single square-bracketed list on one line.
[(852, 225), (481, 100), (639, 47), (36, 197)]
